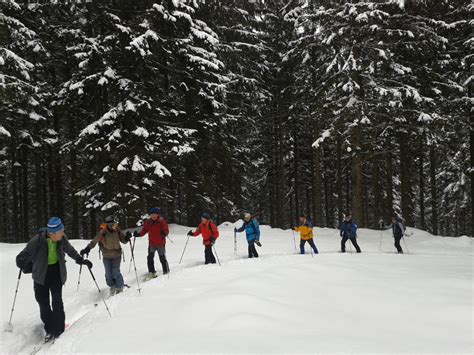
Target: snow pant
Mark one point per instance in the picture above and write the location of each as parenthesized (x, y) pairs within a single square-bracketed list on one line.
[(397, 243), (113, 276), (209, 255), (252, 250), (162, 254), (353, 241), (52, 314), (311, 244)]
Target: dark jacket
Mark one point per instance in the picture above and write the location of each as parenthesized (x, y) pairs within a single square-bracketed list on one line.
[(398, 229), (348, 229), (37, 248)]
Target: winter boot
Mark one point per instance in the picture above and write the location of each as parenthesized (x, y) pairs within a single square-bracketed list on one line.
[(112, 291)]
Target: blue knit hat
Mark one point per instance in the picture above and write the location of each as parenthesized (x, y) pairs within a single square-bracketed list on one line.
[(154, 210), (55, 225), (206, 215)]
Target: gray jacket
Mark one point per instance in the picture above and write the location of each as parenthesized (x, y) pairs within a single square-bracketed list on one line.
[(37, 248)]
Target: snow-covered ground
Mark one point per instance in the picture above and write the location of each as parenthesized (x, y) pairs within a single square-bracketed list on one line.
[(375, 302)]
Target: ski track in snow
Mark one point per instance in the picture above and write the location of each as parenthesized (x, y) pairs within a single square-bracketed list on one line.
[(281, 302)]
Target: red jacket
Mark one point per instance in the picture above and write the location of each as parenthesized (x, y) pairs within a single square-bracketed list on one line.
[(207, 229), (157, 231)]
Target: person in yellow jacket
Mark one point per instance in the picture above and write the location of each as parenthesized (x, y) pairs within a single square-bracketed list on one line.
[(306, 233)]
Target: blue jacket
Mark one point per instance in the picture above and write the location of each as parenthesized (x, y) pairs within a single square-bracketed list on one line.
[(348, 229), (252, 230)]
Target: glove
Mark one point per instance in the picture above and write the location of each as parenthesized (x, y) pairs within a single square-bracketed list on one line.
[(212, 240), (135, 234), (85, 251), (163, 234), (128, 236), (258, 243), (190, 233), (20, 263), (82, 261)]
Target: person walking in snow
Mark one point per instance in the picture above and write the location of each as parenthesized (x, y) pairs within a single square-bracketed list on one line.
[(44, 257), (209, 233), (109, 239), (306, 233), (252, 232), (398, 230), (157, 230), (348, 230)]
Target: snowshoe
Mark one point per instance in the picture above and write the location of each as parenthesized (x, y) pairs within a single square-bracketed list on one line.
[(150, 276)]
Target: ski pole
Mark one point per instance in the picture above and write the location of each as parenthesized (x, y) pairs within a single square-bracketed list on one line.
[(380, 243), (135, 267), (123, 256), (350, 246), (381, 225), (79, 279), (100, 292), (213, 247), (184, 250), (171, 240), (235, 242), (133, 248), (10, 325)]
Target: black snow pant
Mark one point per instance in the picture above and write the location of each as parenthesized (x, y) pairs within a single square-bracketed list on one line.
[(52, 314), (397, 243), (252, 250), (162, 254), (354, 243), (311, 244), (209, 255)]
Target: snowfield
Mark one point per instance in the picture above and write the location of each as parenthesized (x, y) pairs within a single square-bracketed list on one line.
[(374, 302)]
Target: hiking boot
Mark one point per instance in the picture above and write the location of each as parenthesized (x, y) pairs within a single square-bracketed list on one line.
[(112, 291), (118, 290)]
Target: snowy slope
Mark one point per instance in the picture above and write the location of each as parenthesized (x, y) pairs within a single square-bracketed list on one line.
[(281, 302)]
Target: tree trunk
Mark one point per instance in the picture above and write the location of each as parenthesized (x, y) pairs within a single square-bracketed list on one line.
[(318, 214), (434, 191), (357, 179), (405, 179), (295, 174), (421, 173), (25, 210), (339, 178), (38, 192)]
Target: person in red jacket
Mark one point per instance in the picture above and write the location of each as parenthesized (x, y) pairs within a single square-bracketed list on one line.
[(157, 230), (209, 233)]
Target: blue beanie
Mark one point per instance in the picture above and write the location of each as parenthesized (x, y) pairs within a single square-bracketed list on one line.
[(153, 210), (206, 215), (55, 225)]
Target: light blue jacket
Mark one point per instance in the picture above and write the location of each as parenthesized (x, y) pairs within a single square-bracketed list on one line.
[(252, 230)]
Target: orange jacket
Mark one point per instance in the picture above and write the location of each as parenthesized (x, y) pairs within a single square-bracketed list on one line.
[(207, 229)]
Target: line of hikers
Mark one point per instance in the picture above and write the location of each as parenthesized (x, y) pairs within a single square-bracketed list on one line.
[(44, 254)]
